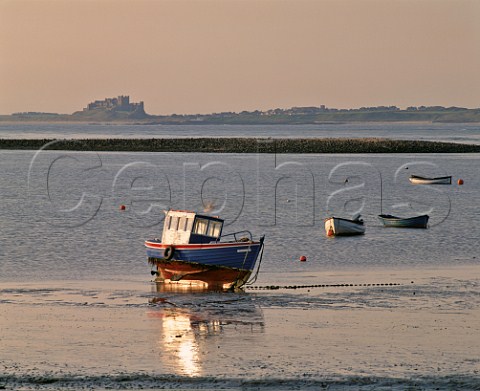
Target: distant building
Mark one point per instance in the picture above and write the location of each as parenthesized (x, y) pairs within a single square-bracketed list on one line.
[(120, 103)]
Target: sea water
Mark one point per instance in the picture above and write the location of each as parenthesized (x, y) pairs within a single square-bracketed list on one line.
[(391, 309), (61, 217), (459, 133)]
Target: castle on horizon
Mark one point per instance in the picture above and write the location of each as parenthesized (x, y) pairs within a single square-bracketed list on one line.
[(120, 103)]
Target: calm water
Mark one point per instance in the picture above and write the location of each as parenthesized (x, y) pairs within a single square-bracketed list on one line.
[(61, 210), (69, 258), (459, 133)]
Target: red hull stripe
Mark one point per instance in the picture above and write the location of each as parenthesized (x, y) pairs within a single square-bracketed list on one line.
[(198, 246)]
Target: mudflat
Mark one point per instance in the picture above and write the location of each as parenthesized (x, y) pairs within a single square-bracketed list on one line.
[(362, 330)]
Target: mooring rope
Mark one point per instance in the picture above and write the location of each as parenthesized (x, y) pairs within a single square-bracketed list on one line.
[(253, 279), (275, 287)]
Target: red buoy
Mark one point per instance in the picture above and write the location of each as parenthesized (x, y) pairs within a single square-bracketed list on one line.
[(122, 207), (460, 181), (330, 232), (303, 258)]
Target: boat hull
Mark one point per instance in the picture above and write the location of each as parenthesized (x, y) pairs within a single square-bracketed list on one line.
[(198, 274), (398, 222), (216, 264), (418, 180), (335, 226)]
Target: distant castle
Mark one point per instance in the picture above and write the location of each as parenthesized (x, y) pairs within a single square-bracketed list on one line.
[(121, 103)]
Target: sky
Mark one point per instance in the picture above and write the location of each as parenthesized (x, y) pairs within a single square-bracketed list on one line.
[(211, 56)]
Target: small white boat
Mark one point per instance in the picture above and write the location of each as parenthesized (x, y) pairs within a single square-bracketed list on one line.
[(420, 180), (335, 226)]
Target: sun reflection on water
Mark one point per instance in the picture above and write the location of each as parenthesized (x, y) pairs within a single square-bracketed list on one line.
[(178, 339), (194, 322)]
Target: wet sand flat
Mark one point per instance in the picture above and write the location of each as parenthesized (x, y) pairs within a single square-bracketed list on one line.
[(94, 335)]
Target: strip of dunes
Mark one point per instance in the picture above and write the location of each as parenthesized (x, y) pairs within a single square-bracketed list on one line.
[(243, 145)]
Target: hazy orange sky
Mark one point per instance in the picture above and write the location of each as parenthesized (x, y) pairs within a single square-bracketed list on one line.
[(204, 56)]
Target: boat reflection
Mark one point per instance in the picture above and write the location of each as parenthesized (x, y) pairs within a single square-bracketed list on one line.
[(192, 322)]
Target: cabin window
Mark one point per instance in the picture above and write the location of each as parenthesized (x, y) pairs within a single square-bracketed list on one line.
[(201, 226), (188, 224), (182, 224), (168, 221), (174, 223), (214, 229)]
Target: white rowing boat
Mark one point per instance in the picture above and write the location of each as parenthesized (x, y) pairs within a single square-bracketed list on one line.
[(420, 180), (335, 226)]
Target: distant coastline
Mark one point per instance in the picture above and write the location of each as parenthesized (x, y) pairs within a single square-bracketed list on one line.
[(243, 145), (120, 110)]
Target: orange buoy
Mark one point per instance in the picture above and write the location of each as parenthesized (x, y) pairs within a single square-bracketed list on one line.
[(122, 207), (303, 258), (460, 181)]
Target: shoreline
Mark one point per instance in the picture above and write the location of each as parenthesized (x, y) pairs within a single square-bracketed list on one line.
[(242, 145), (363, 336), (214, 124), (138, 122)]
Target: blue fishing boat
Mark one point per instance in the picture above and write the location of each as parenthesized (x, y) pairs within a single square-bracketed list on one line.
[(193, 250), (399, 222)]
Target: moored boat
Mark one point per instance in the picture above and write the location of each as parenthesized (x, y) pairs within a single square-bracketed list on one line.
[(409, 222), (193, 250), (335, 226), (441, 180)]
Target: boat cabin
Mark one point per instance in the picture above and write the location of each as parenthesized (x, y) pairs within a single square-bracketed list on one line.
[(187, 227)]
